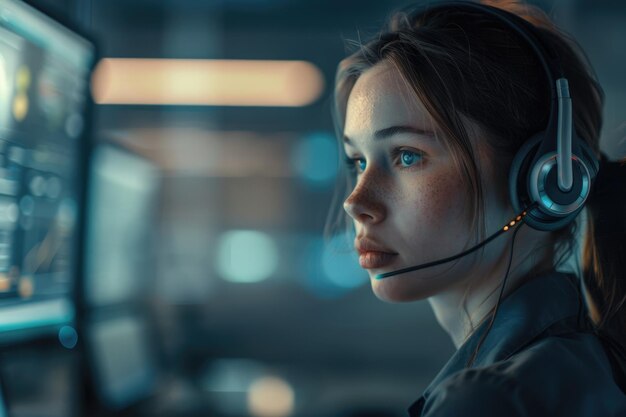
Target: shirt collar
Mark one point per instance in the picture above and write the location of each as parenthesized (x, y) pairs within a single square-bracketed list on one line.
[(522, 315)]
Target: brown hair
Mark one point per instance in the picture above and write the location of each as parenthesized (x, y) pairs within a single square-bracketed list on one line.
[(465, 64)]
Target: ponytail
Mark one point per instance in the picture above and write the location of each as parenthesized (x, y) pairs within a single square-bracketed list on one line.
[(604, 251)]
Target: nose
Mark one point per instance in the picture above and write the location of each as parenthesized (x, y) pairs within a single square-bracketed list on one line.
[(364, 205)]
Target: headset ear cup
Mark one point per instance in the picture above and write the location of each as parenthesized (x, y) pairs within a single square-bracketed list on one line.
[(519, 185)]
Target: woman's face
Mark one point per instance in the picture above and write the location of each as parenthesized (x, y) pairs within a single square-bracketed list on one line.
[(409, 200)]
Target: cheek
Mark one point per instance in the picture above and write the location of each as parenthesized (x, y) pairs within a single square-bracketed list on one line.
[(440, 203)]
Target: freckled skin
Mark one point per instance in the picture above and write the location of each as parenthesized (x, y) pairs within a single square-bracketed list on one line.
[(422, 212), (419, 213)]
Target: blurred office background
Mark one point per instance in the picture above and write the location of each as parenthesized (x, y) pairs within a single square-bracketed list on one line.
[(205, 286)]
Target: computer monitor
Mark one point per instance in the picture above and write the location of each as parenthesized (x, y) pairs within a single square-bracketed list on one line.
[(122, 204), (44, 93), (121, 214)]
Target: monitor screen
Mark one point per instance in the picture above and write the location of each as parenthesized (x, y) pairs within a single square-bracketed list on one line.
[(121, 211), (44, 84)]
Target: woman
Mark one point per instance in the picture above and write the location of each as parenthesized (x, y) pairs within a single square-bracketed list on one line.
[(433, 114)]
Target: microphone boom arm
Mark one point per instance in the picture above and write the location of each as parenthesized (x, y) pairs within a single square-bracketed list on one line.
[(507, 227)]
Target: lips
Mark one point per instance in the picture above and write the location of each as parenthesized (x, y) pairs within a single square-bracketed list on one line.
[(372, 254), (374, 260)]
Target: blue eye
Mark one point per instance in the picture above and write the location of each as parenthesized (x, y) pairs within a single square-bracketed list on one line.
[(408, 158)]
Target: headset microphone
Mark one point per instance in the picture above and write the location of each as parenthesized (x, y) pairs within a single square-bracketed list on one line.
[(509, 226)]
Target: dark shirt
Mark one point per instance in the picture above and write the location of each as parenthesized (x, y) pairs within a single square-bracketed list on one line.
[(537, 360)]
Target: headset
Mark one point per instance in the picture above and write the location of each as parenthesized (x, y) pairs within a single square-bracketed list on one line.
[(553, 171)]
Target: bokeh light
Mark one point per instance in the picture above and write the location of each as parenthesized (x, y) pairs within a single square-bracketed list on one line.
[(332, 267), (314, 158), (228, 380), (215, 82), (340, 263), (271, 396), (68, 337), (246, 256)]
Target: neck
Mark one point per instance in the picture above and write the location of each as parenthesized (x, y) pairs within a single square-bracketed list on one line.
[(461, 309)]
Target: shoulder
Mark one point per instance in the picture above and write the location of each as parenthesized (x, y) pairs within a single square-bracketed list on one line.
[(482, 391), (534, 381)]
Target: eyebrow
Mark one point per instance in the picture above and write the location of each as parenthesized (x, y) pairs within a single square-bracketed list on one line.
[(395, 130)]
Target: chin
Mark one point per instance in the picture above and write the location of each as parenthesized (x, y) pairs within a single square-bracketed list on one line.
[(392, 290)]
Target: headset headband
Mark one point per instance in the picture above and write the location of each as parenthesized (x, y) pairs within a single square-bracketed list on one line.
[(548, 59)]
